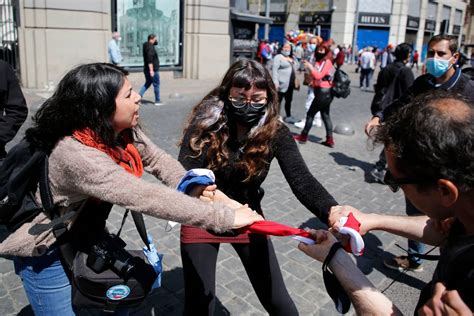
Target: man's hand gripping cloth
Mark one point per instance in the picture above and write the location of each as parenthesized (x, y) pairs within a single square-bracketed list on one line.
[(350, 224), (192, 178)]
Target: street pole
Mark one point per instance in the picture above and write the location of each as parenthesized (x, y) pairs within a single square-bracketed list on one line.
[(267, 15), (355, 48)]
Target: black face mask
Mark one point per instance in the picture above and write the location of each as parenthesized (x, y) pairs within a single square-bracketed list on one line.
[(319, 56), (246, 115), (155, 43)]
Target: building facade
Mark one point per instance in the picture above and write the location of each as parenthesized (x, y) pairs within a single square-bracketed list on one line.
[(200, 38)]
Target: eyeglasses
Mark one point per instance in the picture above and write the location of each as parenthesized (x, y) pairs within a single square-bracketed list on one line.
[(394, 184), (239, 103)]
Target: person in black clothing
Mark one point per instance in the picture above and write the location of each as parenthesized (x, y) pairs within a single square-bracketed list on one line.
[(235, 131), (392, 82), (151, 67), (13, 109), (443, 74), (430, 155)]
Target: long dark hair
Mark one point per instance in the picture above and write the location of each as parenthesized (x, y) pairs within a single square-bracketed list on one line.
[(84, 98), (210, 122)]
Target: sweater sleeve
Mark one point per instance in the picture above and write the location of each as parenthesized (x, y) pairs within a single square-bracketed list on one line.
[(158, 162), (275, 67), (307, 189), (76, 169)]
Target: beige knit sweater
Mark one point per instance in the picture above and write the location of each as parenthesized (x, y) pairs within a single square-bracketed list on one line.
[(77, 172)]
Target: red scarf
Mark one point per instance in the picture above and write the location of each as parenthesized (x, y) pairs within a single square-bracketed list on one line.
[(128, 158)]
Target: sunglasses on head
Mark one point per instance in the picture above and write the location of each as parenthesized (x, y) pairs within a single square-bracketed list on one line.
[(394, 184)]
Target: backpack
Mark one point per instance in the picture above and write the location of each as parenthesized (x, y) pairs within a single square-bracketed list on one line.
[(341, 84), (23, 170)]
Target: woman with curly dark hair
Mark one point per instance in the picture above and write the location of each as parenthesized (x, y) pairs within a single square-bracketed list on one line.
[(235, 132), (97, 152)]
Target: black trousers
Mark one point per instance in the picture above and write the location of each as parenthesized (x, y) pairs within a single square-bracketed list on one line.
[(288, 97), (321, 103), (260, 263)]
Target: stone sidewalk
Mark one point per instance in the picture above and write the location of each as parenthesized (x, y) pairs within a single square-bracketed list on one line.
[(344, 172)]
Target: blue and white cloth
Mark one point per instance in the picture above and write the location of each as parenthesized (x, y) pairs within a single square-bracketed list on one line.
[(193, 177)]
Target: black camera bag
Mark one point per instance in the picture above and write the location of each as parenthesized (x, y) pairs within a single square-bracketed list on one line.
[(106, 290)]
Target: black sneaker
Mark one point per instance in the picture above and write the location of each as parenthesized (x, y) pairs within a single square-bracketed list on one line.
[(401, 263)]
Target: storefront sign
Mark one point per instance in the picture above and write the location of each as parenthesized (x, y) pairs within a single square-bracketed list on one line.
[(315, 18), (413, 23), (278, 17), (456, 29), (430, 25), (374, 19)]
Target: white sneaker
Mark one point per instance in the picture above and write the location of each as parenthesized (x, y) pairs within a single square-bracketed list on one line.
[(317, 121), (300, 124), (159, 103)]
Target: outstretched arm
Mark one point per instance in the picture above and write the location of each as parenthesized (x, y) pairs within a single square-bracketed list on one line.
[(366, 298), (307, 189), (420, 228)]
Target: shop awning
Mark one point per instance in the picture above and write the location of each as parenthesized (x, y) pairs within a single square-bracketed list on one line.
[(247, 17)]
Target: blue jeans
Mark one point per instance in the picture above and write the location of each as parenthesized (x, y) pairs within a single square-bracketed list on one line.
[(46, 284), (413, 245), (155, 80)]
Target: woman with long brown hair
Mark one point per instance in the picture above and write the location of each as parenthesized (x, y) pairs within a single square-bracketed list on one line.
[(235, 132)]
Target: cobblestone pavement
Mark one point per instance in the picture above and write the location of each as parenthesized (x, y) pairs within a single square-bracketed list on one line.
[(344, 172)]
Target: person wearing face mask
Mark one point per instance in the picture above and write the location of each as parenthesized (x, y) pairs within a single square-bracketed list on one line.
[(151, 68), (442, 74), (322, 83), (235, 132), (115, 57), (283, 74)]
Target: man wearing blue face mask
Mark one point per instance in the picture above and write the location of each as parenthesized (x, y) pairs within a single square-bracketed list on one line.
[(442, 74)]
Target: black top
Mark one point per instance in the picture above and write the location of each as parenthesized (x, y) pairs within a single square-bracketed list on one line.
[(150, 56), (13, 109), (459, 83), (401, 78), (455, 267), (283, 147)]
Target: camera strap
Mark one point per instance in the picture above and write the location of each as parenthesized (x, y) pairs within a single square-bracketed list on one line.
[(139, 224)]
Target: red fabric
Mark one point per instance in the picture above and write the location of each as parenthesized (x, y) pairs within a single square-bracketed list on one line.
[(274, 229), (352, 222), (128, 158), (196, 235)]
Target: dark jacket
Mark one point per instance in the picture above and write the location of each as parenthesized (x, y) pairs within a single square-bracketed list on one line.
[(13, 110), (150, 56), (459, 83), (395, 77)]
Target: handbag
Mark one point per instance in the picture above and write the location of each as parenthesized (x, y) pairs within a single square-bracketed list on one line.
[(107, 276)]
